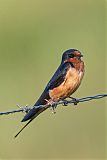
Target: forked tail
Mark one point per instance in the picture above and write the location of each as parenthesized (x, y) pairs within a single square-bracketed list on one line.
[(23, 127), (30, 116)]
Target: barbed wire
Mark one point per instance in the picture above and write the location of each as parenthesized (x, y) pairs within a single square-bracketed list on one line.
[(74, 101)]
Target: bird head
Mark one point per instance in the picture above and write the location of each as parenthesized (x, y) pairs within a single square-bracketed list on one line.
[(71, 55)]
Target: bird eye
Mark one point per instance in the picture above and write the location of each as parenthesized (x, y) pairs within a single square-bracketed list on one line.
[(71, 55)]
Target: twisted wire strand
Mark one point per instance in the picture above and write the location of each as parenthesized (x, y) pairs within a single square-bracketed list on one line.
[(65, 102)]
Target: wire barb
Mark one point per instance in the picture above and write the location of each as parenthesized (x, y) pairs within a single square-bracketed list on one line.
[(27, 109)]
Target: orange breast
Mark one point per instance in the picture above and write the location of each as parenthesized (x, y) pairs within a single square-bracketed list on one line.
[(71, 83)]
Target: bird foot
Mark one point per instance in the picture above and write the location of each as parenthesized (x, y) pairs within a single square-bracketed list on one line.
[(65, 102), (75, 100), (52, 106)]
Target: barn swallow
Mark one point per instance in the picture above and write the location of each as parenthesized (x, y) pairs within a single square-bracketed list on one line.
[(63, 83)]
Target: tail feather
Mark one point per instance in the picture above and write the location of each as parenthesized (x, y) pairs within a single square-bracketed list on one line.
[(30, 116), (23, 127), (32, 113)]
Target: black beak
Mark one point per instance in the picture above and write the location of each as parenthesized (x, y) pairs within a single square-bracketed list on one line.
[(81, 55)]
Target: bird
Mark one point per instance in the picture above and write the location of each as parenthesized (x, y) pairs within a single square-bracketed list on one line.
[(62, 85)]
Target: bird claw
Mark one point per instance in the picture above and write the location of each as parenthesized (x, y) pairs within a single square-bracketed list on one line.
[(65, 102), (75, 100), (52, 106)]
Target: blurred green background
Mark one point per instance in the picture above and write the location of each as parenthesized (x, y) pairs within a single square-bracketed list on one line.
[(33, 35)]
